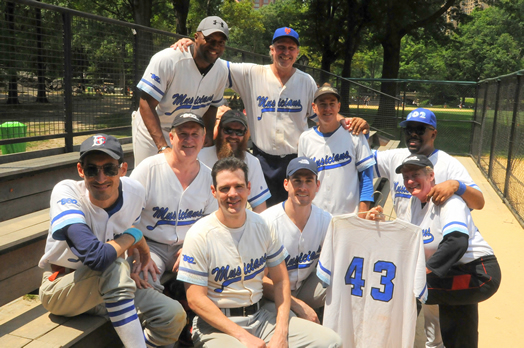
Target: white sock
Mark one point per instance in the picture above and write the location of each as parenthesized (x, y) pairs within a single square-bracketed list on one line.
[(125, 321), (149, 344)]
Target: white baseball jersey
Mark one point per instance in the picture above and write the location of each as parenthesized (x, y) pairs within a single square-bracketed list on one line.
[(340, 156), (70, 205), (304, 247), (170, 210), (259, 190), (232, 271), (452, 216), (276, 114), (445, 167), (374, 272), (173, 79)]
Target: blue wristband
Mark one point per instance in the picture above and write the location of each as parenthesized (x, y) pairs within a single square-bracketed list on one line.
[(135, 232), (461, 189)]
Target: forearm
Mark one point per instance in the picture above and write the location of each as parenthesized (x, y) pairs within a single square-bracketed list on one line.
[(260, 208), (473, 198), (282, 299), (151, 120)]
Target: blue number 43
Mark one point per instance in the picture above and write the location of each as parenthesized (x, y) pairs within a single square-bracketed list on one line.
[(354, 278)]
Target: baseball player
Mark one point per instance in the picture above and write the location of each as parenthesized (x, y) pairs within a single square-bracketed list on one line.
[(231, 140), (462, 269), (420, 131), (225, 256), (344, 160), (302, 228), (176, 82), (91, 229), (177, 195)]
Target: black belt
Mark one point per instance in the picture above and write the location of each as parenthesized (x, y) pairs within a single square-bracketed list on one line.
[(257, 151), (241, 311)]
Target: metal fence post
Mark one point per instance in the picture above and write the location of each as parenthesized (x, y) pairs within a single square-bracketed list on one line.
[(474, 126), (494, 133), (513, 133), (483, 119), (68, 83)]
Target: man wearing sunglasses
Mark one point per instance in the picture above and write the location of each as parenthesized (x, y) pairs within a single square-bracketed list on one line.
[(176, 82), (420, 132), (91, 229), (231, 141)]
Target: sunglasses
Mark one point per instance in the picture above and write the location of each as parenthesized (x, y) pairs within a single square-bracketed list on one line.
[(419, 130), (237, 132), (109, 169)]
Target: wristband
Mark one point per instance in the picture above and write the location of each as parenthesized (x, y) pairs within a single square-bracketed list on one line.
[(163, 148), (135, 232), (461, 189)]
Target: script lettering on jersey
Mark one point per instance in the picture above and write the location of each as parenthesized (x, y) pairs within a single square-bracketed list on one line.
[(427, 237), (283, 105), (166, 217), (400, 190), (182, 101), (228, 275), (334, 161), (304, 260)]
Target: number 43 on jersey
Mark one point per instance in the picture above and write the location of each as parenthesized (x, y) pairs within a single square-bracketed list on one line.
[(357, 282)]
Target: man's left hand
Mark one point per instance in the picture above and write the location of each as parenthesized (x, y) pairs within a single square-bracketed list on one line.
[(355, 125), (440, 193), (278, 341)]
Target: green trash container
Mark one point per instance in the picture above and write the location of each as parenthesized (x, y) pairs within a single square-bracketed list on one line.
[(10, 130)]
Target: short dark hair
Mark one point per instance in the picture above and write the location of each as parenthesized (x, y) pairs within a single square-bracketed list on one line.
[(228, 163)]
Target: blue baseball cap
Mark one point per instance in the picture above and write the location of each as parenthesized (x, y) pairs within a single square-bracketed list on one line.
[(286, 32), (421, 115), (301, 163)]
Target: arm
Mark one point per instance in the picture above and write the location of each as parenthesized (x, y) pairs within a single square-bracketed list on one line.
[(182, 44), (356, 125), (440, 193), (210, 120), (450, 250), (151, 120), (365, 190), (207, 310), (282, 298), (260, 208)]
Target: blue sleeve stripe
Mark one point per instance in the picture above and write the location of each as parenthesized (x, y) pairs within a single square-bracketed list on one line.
[(376, 164), (63, 224), (276, 254), (454, 223), (189, 270), (260, 194), (260, 200), (184, 277), (67, 212), (325, 270), (229, 75), (155, 88), (366, 159), (326, 281), (422, 292)]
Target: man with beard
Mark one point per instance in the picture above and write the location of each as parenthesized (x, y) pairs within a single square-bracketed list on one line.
[(231, 141), (176, 82)]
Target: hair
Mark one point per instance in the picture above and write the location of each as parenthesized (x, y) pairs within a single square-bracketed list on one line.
[(230, 163)]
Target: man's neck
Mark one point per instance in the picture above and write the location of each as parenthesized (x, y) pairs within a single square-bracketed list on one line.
[(298, 214), (282, 75), (201, 64), (232, 221), (328, 127)]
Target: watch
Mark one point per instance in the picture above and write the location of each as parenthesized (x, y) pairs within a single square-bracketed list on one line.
[(163, 148)]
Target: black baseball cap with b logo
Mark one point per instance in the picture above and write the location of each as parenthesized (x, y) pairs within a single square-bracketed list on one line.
[(415, 160), (107, 144)]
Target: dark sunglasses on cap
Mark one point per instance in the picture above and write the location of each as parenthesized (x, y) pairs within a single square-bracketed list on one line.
[(109, 169), (237, 132), (418, 130)]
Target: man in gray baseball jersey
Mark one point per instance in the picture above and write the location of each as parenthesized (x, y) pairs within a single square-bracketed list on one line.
[(225, 255), (91, 229)]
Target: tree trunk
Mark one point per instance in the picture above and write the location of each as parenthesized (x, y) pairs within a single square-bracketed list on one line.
[(41, 96), (390, 67), (181, 11), (142, 16), (12, 90)]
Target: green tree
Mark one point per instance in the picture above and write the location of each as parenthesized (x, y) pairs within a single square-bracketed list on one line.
[(245, 25)]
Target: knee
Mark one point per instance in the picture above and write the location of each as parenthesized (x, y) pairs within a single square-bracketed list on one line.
[(333, 339)]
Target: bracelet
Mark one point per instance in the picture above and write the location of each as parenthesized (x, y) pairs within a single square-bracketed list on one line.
[(461, 189), (135, 232), (163, 148)]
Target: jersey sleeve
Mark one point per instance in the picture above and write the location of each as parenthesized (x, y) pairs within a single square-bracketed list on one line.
[(193, 266), (276, 251), (365, 158), (259, 190), (218, 98), (456, 171), (325, 263), (238, 76), (381, 169), (158, 74), (140, 174), (65, 208), (453, 216), (312, 89)]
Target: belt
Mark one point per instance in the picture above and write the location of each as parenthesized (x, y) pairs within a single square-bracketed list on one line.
[(241, 311), (257, 151)]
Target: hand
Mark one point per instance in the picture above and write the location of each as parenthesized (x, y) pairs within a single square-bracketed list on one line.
[(375, 214), (150, 268), (143, 251), (302, 310), (221, 110), (356, 125), (440, 193), (166, 150), (178, 256), (182, 44), (278, 341), (140, 283), (249, 341)]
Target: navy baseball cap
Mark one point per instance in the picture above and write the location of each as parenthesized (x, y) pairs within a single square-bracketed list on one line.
[(326, 90), (107, 144), (301, 163), (187, 117), (213, 24), (233, 116), (415, 160), (286, 32), (421, 115)]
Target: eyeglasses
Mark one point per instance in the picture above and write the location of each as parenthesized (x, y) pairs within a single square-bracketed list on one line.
[(109, 169), (237, 132), (419, 130)]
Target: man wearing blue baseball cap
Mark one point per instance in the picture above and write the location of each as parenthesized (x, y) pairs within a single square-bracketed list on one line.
[(420, 131)]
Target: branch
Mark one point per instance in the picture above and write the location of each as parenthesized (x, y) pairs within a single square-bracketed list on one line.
[(423, 22)]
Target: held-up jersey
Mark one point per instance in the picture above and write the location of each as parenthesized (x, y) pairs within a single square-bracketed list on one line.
[(340, 156), (70, 205), (304, 247), (170, 210), (259, 190), (276, 114), (173, 79), (231, 271), (452, 216), (374, 272), (445, 167)]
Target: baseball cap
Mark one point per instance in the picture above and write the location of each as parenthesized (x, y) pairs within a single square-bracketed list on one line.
[(421, 115), (416, 160), (286, 32), (213, 24), (107, 144), (187, 117), (326, 90), (233, 116), (301, 163)]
